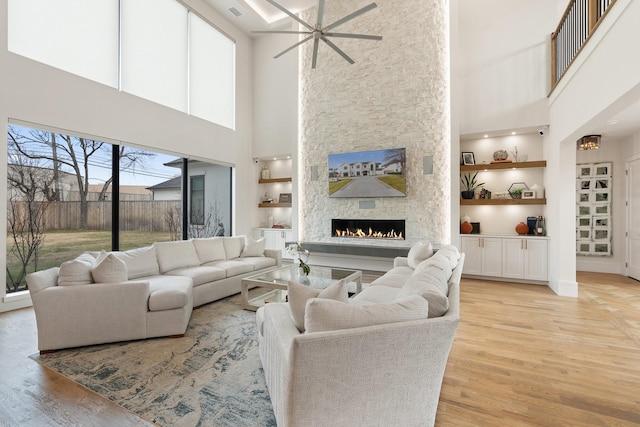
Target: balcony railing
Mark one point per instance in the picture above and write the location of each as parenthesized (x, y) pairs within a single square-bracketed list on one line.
[(580, 20)]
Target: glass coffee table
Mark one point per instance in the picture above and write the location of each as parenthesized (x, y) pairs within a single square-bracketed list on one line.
[(277, 280)]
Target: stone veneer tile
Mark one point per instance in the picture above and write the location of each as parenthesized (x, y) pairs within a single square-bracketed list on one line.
[(395, 95)]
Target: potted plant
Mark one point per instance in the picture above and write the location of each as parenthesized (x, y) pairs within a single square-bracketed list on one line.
[(470, 183), (516, 193)]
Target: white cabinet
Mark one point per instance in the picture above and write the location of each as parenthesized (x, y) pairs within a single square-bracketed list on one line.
[(525, 258), (483, 255), (276, 238), (513, 258)]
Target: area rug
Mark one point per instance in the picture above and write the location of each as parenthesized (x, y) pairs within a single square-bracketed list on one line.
[(210, 377)]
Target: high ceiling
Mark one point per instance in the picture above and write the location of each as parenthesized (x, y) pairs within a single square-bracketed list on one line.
[(258, 14)]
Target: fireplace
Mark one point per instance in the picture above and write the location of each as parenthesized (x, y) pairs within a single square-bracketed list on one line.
[(391, 229)]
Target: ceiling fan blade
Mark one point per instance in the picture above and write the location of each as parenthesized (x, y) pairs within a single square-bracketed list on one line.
[(293, 47), (314, 59), (354, 36), (291, 14), (337, 49), (320, 13), (350, 16), (280, 32)]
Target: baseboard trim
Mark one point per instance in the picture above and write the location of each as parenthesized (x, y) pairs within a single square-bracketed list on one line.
[(564, 288)]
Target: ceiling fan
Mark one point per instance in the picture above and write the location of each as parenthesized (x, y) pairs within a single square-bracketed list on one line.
[(319, 32)]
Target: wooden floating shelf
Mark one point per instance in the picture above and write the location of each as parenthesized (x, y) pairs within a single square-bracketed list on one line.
[(475, 202), (272, 180), (498, 166), (274, 205)]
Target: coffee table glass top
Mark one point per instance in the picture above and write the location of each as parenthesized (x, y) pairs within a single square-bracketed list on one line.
[(319, 277)]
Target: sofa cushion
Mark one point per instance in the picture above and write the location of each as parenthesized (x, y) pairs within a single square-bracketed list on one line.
[(209, 249), (423, 284), (392, 280), (451, 253), (141, 262), (233, 246), (377, 294), (327, 315), (76, 271), (200, 274), (177, 254), (253, 248), (169, 292), (260, 262), (108, 268), (233, 267), (299, 294), (418, 253), (438, 269)]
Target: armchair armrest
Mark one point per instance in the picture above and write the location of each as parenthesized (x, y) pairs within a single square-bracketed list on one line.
[(275, 254), (400, 261)]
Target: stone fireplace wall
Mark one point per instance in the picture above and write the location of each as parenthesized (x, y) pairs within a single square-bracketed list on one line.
[(395, 95)]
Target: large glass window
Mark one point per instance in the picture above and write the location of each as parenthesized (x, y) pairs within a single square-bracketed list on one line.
[(78, 36), (154, 51)]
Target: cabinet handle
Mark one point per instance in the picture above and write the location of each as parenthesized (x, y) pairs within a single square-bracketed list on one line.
[(525, 245)]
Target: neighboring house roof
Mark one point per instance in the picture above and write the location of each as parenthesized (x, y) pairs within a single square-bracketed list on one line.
[(169, 184)]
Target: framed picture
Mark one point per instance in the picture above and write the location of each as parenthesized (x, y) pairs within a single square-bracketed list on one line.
[(468, 158), (528, 194), (284, 198)]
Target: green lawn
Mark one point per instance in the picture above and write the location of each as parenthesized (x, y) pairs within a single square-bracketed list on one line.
[(60, 246), (396, 181), (336, 185)]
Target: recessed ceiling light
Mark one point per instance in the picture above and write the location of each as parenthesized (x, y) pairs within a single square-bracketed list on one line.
[(513, 133), (612, 122), (486, 136)]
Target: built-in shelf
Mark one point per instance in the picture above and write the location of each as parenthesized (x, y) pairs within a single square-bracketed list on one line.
[(273, 180), (497, 166), (474, 202), (274, 205)]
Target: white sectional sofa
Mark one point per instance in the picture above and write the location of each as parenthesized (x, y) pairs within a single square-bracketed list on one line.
[(377, 360), (140, 293)]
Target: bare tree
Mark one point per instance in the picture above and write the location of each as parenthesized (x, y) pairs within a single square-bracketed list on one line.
[(210, 225), (172, 218), (75, 154), (29, 191)]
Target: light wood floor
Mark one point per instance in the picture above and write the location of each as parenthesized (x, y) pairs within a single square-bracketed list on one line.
[(522, 356)]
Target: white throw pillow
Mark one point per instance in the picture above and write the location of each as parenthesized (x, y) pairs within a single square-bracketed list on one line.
[(424, 285), (210, 249), (298, 295), (108, 268), (327, 315), (418, 253), (76, 271), (254, 247), (141, 262), (177, 254), (451, 253), (233, 246), (438, 267)]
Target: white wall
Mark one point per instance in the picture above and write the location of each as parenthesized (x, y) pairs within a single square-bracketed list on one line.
[(504, 63), (275, 96), (36, 93)]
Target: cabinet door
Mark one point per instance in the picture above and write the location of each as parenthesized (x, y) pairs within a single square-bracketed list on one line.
[(536, 260), (491, 256), (473, 255), (513, 258)]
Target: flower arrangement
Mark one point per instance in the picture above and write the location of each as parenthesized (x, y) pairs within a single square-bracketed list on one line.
[(298, 252)]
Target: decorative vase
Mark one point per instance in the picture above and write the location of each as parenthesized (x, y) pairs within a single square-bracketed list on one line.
[(467, 194), (466, 227), (265, 174), (522, 228), (539, 189), (465, 218)]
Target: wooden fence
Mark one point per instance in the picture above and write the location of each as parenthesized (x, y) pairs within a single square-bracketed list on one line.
[(138, 215)]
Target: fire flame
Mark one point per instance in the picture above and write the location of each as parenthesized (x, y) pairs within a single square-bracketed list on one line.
[(371, 235)]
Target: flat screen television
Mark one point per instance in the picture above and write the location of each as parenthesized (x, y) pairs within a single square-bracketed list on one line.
[(368, 174)]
